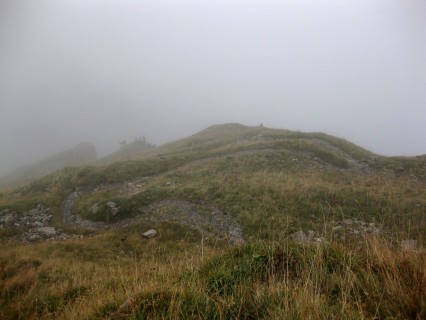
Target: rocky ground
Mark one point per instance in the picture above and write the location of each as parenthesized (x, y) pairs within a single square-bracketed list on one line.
[(338, 229), (34, 225), (208, 219)]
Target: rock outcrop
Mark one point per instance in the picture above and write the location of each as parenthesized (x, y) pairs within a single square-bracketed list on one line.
[(355, 227), (33, 225)]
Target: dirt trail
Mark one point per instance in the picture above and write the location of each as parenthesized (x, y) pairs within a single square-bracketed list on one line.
[(208, 219)]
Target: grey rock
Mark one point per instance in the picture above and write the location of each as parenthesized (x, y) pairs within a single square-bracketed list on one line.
[(114, 211), (9, 219), (337, 229), (94, 209), (33, 237), (304, 237), (151, 233), (348, 221), (310, 235), (319, 240), (299, 237), (47, 231), (32, 212), (111, 204), (235, 236)]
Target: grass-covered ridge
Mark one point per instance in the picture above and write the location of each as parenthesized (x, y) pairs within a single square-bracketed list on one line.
[(270, 182)]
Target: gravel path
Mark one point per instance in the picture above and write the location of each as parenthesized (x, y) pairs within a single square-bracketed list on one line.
[(208, 219)]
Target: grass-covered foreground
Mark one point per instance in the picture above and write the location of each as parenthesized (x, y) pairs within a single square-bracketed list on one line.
[(272, 183), (121, 276)]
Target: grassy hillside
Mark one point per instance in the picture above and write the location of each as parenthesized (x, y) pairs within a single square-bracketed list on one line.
[(128, 151), (80, 155), (322, 219)]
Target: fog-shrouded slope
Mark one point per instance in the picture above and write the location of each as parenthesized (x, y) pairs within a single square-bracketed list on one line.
[(218, 138), (128, 151), (82, 154), (244, 223)]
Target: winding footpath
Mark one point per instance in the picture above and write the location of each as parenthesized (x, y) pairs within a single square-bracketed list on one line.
[(206, 218)]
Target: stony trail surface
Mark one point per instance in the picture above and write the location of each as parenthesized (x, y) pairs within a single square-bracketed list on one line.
[(208, 219)]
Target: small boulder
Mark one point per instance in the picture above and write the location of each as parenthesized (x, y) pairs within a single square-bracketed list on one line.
[(310, 235), (32, 237), (151, 233), (114, 211), (9, 219), (348, 222), (112, 204), (94, 209), (46, 231), (337, 229), (299, 237)]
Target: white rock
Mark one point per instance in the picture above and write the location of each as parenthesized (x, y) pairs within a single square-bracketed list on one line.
[(151, 233)]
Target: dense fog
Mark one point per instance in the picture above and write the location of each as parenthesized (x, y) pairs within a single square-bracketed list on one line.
[(103, 71)]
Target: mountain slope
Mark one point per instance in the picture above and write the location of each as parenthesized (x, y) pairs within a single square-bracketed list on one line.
[(80, 155), (128, 151), (251, 223)]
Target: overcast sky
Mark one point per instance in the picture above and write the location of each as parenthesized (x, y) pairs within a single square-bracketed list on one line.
[(103, 71)]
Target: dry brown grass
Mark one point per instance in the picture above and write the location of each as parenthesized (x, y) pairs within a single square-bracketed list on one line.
[(373, 280)]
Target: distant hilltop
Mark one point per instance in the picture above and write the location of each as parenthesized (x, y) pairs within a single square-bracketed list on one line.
[(82, 154)]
